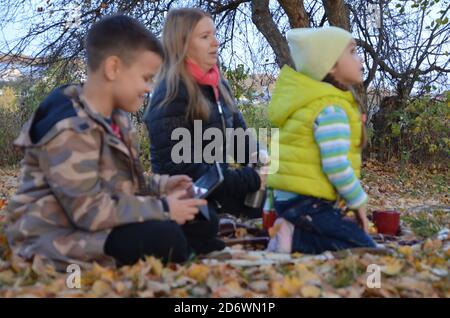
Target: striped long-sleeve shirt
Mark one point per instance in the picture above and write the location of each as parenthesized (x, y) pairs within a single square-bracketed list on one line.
[(332, 134)]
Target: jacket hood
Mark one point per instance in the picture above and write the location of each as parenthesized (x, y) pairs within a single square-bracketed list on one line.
[(60, 110)]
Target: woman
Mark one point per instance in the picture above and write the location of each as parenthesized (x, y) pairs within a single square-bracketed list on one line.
[(190, 88)]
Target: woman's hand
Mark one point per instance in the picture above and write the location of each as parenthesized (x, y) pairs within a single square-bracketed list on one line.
[(361, 216), (183, 210), (263, 169), (177, 183), (261, 157), (262, 172)]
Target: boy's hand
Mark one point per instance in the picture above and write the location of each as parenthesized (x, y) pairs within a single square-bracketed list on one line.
[(177, 183), (183, 210), (361, 216)]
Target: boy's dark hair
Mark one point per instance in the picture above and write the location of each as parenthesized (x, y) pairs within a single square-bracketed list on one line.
[(121, 36)]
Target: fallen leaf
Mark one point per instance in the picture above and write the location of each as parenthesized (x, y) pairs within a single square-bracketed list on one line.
[(100, 288), (198, 272), (7, 277), (158, 288), (406, 250), (310, 291), (156, 265), (230, 290), (146, 294), (393, 267), (180, 293), (104, 273), (259, 286), (122, 287), (290, 286), (411, 284)]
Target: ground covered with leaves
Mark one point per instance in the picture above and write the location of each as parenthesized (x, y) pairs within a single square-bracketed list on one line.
[(413, 264)]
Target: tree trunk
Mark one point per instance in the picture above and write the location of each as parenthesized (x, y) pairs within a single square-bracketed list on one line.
[(338, 13), (263, 21), (295, 10)]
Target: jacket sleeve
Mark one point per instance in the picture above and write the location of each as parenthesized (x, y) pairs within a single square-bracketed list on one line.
[(157, 184), (332, 135), (70, 162)]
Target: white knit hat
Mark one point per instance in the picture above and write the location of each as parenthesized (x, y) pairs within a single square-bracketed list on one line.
[(316, 51)]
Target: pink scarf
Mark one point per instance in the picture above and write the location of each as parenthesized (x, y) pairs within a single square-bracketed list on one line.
[(210, 78)]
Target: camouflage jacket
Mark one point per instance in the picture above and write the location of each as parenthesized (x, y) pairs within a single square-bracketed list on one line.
[(78, 181)]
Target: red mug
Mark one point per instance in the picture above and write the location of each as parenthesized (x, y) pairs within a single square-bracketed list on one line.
[(269, 218), (387, 222)]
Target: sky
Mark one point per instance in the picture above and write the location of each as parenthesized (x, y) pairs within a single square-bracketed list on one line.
[(11, 32)]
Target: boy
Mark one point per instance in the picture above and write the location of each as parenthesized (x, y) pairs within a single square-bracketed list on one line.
[(83, 196)]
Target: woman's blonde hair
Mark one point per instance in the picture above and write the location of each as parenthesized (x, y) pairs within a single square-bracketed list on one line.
[(178, 28)]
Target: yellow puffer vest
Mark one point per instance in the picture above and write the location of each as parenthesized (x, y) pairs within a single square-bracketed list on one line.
[(296, 102)]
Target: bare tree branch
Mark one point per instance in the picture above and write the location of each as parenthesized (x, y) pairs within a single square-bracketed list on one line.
[(297, 15), (262, 18)]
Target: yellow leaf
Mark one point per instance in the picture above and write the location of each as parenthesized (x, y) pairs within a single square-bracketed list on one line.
[(156, 265), (100, 288), (57, 286), (350, 214), (120, 287), (41, 268), (372, 228), (430, 245), (18, 264), (198, 272), (406, 250), (278, 290), (305, 275), (310, 291), (180, 293), (104, 273), (146, 294), (7, 277), (393, 267), (290, 286)]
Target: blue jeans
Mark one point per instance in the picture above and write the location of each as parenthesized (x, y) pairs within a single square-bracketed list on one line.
[(319, 226)]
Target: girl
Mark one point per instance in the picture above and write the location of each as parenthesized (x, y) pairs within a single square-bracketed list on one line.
[(320, 138)]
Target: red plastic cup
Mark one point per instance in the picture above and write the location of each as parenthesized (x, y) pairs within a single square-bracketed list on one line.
[(269, 218), (387, 222)]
